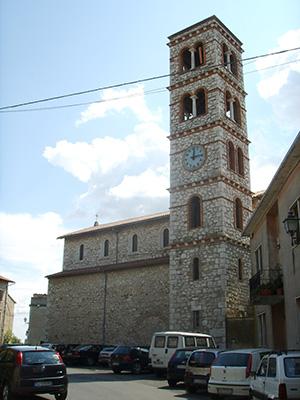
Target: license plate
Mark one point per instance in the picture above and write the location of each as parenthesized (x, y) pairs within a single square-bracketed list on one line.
[(200, 381), (115, 363), (43, 383), (224, 391), (181, 366)]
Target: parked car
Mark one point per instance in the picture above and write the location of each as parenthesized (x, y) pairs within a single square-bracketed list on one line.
[(126, 358), (231, 371), (164, 345), (29, 370), (277, 377), (105, 354), (83, 355), (197, 371), (177, 364)]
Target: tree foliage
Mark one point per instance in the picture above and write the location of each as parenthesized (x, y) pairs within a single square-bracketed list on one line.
[(10, 338)]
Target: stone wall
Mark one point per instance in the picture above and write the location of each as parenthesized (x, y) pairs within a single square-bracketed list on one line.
[(150, 244), (115, 307)]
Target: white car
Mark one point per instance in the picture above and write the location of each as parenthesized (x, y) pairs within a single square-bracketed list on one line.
[(277, 377), (231, 371)]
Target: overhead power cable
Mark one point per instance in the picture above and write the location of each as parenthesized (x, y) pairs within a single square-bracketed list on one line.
[(126, 84)]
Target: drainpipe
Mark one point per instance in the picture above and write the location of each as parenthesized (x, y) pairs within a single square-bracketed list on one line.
[(104, 309)]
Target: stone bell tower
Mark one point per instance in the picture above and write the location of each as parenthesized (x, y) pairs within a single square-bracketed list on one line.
[(210, 198)]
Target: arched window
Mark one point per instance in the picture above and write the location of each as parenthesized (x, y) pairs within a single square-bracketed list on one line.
[(196, 271), (233, 63), (134, 246), (231, 156), (228, 105), (238, 214), (195, 212), (233, 109), (81, 252), (187, 108), (199, 55), (240, 269), (106, 248), (186, 60), (226, 57), (166, 237), (229, 60), (237, 111), (201, 102), (240, 161)]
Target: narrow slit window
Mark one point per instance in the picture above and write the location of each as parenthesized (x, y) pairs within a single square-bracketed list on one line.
[(240, 157), (238, 214), (106, 248), (134, 246), (166, 237), (195, 212), (231, 156), (196, 271), (81, 252)]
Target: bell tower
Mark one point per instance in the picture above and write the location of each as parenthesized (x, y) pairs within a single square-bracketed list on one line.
[(210, 198)]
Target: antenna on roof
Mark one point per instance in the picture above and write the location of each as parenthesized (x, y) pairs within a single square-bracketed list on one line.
[(96, 223)]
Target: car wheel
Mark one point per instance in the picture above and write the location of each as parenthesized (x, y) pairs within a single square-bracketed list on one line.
[(6, 392), (90, 361), (190, 389), (61, 396), (172, 382), (116, 370), (136, 368)]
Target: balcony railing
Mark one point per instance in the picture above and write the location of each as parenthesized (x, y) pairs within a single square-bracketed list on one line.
[(266, 287)]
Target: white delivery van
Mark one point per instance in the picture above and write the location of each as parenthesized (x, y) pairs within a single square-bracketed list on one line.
[(164, 345)]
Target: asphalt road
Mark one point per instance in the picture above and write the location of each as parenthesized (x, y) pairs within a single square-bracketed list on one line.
[(103, 384)]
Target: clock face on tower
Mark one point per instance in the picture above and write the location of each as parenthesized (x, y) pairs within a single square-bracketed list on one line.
[(194, 157)]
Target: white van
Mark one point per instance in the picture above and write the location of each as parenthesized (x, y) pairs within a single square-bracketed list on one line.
[(164, 345)]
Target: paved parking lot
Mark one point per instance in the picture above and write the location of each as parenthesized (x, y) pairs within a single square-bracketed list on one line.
[(100, 383)]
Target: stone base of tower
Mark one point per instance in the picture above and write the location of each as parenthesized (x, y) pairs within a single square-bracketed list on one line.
[(216, 302)]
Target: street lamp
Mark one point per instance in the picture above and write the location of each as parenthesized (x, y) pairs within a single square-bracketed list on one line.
[(291, 225)]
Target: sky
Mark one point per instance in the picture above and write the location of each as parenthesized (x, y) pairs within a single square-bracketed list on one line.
[(106, 153)]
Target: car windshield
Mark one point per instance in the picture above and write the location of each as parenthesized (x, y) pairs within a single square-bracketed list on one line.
[(122, 350), (181, 355), (108, 349), (40, 357), (292, 367), (203, 358), (232, 360), (83, 348)]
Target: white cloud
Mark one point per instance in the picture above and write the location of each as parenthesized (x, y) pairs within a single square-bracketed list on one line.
[(261, 174), (150, 183), (274, 79), (103, 155), (29, 251), (118, 100)]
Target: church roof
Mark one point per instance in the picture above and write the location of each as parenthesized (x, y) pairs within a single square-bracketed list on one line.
[(5, 279), (199, 24), (117, 224)]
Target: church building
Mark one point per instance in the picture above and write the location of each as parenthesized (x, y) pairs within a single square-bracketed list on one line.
[(188, 268)]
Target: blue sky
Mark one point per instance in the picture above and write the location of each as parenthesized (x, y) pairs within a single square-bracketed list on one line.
[(60, 167)]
